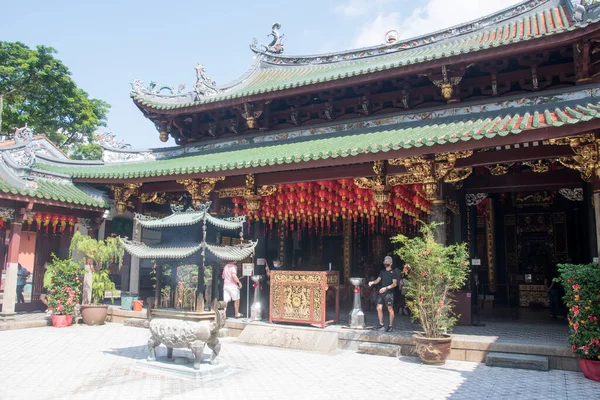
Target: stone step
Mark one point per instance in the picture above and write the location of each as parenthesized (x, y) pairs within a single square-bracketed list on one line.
[(521, 361), (379, 349)]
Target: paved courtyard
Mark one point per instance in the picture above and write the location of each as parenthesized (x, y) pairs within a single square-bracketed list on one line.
[(82, 362)]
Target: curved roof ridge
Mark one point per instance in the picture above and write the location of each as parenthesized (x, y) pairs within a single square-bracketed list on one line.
[(452, 32), (138, 90)]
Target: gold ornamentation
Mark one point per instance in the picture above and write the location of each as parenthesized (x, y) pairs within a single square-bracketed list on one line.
[(122, 195), (200, 190), (585, 160), (539, 167), (231, 192), (153, 198), (447, 84), (381, 192), (499, 169), (430, 171), (251, 116), (266, 190), (452, 205), (252, 202), (457, 175), (573, 141)]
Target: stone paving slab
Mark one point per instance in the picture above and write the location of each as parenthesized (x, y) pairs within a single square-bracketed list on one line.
[(84, 362), (26, 320)]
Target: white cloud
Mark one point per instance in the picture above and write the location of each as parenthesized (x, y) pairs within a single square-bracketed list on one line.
[(433, 16), (373, 32), (359, 8)]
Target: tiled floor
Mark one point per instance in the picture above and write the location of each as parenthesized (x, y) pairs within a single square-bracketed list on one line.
[(84, 362)]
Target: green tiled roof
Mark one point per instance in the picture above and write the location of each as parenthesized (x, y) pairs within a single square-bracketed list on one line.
[(63, 192), (270, 77), (474, 126), (141, 250)]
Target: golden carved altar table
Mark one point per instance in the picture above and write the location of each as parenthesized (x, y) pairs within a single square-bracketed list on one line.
[(301, 296)]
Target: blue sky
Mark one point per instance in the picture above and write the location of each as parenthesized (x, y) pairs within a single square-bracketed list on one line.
[(106, 44)]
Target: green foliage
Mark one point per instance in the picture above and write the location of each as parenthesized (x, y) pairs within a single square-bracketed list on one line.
[(37, 89), (89, 151), (582, 296), (103, 254), (101, 284), (65, 289), (432, 270)]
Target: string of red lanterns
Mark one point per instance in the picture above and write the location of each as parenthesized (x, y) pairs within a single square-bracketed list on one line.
[(56, 221), (319, 204)]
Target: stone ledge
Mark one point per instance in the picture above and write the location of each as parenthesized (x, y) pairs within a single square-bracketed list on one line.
[(376, 349), (12, 324), (520, 361)]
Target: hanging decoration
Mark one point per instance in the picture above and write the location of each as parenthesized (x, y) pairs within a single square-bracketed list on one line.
[(45, 222), (318, 205)]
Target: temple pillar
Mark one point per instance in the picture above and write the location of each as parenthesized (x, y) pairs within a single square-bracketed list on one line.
[(12, 267), (347, 250), (596, 201), (438, 214), (134, 268)]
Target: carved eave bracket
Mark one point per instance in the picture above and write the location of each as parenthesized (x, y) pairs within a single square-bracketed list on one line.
[(122, 194), (586, 155), (200, 190), (378, 184), (429, 171), (155, 197), (251, 115), (447, 82)]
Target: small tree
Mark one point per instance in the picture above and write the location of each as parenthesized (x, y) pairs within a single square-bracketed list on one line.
[(582, 296), (65, 289), (432, 271), (101, 254)]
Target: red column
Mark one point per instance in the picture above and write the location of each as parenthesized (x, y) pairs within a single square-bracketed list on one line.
[(12, 267)]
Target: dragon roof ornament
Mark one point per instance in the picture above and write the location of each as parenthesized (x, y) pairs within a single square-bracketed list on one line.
[(519, 9), (204, 86), (276, 44), (153, 88), (584, 9)]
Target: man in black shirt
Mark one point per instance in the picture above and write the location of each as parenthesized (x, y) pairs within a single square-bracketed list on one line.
[(389, 281)]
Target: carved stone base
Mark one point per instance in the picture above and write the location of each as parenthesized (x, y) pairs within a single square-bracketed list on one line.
[(178, 367)]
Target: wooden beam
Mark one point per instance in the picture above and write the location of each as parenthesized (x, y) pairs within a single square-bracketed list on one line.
[(522, 182), (512, 155), (527, 46)]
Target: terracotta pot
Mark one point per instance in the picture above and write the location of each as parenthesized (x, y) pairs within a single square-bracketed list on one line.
[(433, 350), (61, 321), (94, 314), (590, 369)]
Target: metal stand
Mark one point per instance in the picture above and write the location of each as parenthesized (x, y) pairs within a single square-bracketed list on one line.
[(256, 309), (357, 316), (247, 297)]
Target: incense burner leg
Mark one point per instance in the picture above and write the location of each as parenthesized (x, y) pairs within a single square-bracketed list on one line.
[(152, 345), (197, 348), (215, 346)]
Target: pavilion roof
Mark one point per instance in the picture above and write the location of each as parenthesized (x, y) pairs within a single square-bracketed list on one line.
[(143, 251), (529, 20), (461, 124)]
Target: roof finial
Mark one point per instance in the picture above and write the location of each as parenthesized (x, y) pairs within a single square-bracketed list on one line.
[(391, 36), (204, 86), (276, 45)]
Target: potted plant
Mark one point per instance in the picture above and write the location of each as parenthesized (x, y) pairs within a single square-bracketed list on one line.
[(432, 270), (581, 284), (64, 291), (99, 255)]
